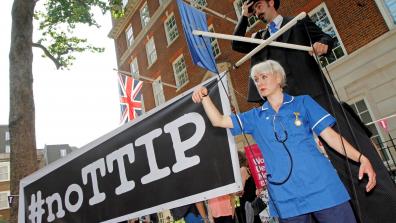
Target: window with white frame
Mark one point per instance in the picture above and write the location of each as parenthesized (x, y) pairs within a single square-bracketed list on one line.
[(124, 3), (238, 10), (151, 51), (129, 35), (4, 171), (7, 142), (361, 109), (7, 136), (321, 17), (171, 29), (134, 69), (4, 200), (214, 43), (199, 2), (391, 6), (144, 15), (158, 91), (63, 152), (180, 71)]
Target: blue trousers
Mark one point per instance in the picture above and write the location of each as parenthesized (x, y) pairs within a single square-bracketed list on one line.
[(341, 213)]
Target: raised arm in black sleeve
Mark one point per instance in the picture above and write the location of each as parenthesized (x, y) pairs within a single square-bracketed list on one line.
[(240, 30)]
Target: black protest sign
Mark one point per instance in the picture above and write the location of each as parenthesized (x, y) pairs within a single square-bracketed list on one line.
[(169, 157)]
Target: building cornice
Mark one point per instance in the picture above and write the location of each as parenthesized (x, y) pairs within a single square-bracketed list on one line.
[(119, 24), (143, 33)]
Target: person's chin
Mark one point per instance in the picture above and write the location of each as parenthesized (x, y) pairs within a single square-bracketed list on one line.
[(263, 94)]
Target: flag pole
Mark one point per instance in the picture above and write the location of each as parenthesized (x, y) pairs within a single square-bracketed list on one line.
[(391, 116), (213, 12), (144, 78), (271, 38), (250, 40)]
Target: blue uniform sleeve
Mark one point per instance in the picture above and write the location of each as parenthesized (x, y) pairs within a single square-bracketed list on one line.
[(318, 117), (242, 123)]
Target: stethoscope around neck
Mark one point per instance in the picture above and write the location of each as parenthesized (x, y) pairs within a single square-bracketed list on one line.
[(281, 140), (277, 137)]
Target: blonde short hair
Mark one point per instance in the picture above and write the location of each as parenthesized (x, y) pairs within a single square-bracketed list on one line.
[(272, 67)]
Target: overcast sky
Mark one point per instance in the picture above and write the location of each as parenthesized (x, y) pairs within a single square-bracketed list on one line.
[(75, 106)]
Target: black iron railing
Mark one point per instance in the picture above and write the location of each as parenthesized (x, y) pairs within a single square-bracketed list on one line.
[(387, 151)]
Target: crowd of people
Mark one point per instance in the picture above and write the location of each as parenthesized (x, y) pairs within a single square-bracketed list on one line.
[(229, 208)]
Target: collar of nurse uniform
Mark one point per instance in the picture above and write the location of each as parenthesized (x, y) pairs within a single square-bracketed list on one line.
[(286, 100)]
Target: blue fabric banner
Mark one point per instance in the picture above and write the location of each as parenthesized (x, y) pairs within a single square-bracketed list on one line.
[(200, 47)]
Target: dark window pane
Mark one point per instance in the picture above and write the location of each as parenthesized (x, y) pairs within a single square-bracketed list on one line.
[(361, 106), (338, 52), (365, 116), (326, 22), (314, 18), (336, 42), (321, 13), (354, 108), (331, 58)]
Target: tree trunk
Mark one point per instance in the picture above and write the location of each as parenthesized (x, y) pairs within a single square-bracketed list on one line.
[(22, 116)]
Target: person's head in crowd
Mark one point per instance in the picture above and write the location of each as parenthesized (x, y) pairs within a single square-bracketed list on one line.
[(242, 158)]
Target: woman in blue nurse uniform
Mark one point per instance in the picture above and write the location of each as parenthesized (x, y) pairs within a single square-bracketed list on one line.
[(302, 182)]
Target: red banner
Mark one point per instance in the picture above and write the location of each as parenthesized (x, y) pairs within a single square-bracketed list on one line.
[(256, 164)]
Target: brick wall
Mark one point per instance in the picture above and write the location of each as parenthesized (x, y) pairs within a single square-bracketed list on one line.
[(358, 22)]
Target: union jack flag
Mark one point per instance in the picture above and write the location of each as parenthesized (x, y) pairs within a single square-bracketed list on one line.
[(130, 98)]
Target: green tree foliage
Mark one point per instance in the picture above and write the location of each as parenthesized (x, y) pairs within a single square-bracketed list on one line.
[(58, 21)]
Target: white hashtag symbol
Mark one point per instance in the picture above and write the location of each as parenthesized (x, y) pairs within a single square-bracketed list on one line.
[(36, 208)]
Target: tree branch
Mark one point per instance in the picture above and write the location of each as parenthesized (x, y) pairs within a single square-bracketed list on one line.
[(48, 54)]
